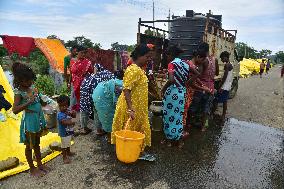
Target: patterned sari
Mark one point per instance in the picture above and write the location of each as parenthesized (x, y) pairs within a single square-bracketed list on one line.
[(188, 97), (174, 100), (88, 85), (79, 69)]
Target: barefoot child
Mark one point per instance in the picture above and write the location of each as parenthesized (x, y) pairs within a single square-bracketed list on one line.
[(226, 83), (65, 126), (33, 123)]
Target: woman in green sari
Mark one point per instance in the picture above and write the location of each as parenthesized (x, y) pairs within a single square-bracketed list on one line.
[(105, 96)]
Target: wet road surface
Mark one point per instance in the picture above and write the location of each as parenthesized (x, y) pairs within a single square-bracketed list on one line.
[(237, 155)]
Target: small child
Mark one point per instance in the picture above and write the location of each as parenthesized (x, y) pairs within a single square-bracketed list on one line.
[(33, 124), (65, 126)]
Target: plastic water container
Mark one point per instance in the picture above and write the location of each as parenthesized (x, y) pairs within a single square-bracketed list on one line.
[(50, 115)]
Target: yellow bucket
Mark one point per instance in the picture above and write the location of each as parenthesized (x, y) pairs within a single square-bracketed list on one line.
[(128, 145)]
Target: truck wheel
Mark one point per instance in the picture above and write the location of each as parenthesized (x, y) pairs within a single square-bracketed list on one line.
[(235, 86)]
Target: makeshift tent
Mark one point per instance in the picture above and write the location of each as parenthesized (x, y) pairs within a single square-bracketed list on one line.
[(9, 137), (21, 45), (54, 51)]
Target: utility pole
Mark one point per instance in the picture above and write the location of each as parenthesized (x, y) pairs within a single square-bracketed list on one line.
[(169, 19), (153, 14)]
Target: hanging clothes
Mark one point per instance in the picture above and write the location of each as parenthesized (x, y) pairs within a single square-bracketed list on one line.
[(117, 61), (115, 64), (103, 57), (21, 45), (124, 58), (106, 58)]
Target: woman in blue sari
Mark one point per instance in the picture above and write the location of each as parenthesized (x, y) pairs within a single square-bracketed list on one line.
[(105, 96), (174, 96)]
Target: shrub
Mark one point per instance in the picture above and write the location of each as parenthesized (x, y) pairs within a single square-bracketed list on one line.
[(38, 62), (64, 90), (45, 85)]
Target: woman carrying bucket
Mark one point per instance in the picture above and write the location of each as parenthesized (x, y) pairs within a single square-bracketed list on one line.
[(133, 102)]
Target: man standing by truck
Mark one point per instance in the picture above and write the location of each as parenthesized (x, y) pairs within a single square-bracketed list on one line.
[(226, 84), (203, 101)]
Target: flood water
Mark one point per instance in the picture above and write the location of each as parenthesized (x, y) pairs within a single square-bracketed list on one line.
[(236, 155)]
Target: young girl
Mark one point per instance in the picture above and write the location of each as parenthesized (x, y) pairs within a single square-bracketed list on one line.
[(33, 123)]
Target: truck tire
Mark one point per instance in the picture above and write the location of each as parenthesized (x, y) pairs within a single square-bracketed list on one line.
[(235, 86)]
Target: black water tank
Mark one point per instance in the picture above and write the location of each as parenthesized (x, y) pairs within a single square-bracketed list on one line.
[(187, 31)]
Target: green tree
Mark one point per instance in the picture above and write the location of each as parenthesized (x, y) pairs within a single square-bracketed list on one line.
[(52, 37), (3, 51), (82, 41), (55, 37), (153, 33), (264, 53), (38, 62), (246, 51), (15, 57), (119, 47), (280, 57), (131, 48), (97, 46)]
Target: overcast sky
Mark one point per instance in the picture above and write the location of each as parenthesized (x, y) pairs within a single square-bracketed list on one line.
[(260, 23)]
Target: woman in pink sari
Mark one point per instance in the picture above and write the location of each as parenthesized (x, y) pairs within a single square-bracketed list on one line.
[(80, 68)]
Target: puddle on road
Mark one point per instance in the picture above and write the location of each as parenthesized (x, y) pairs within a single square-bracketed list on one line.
[(237, 155)]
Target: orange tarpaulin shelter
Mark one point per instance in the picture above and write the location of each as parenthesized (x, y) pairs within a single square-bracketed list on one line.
[(54, 51)]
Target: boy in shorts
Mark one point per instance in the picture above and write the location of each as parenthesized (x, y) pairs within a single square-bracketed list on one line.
[(65, 127)]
